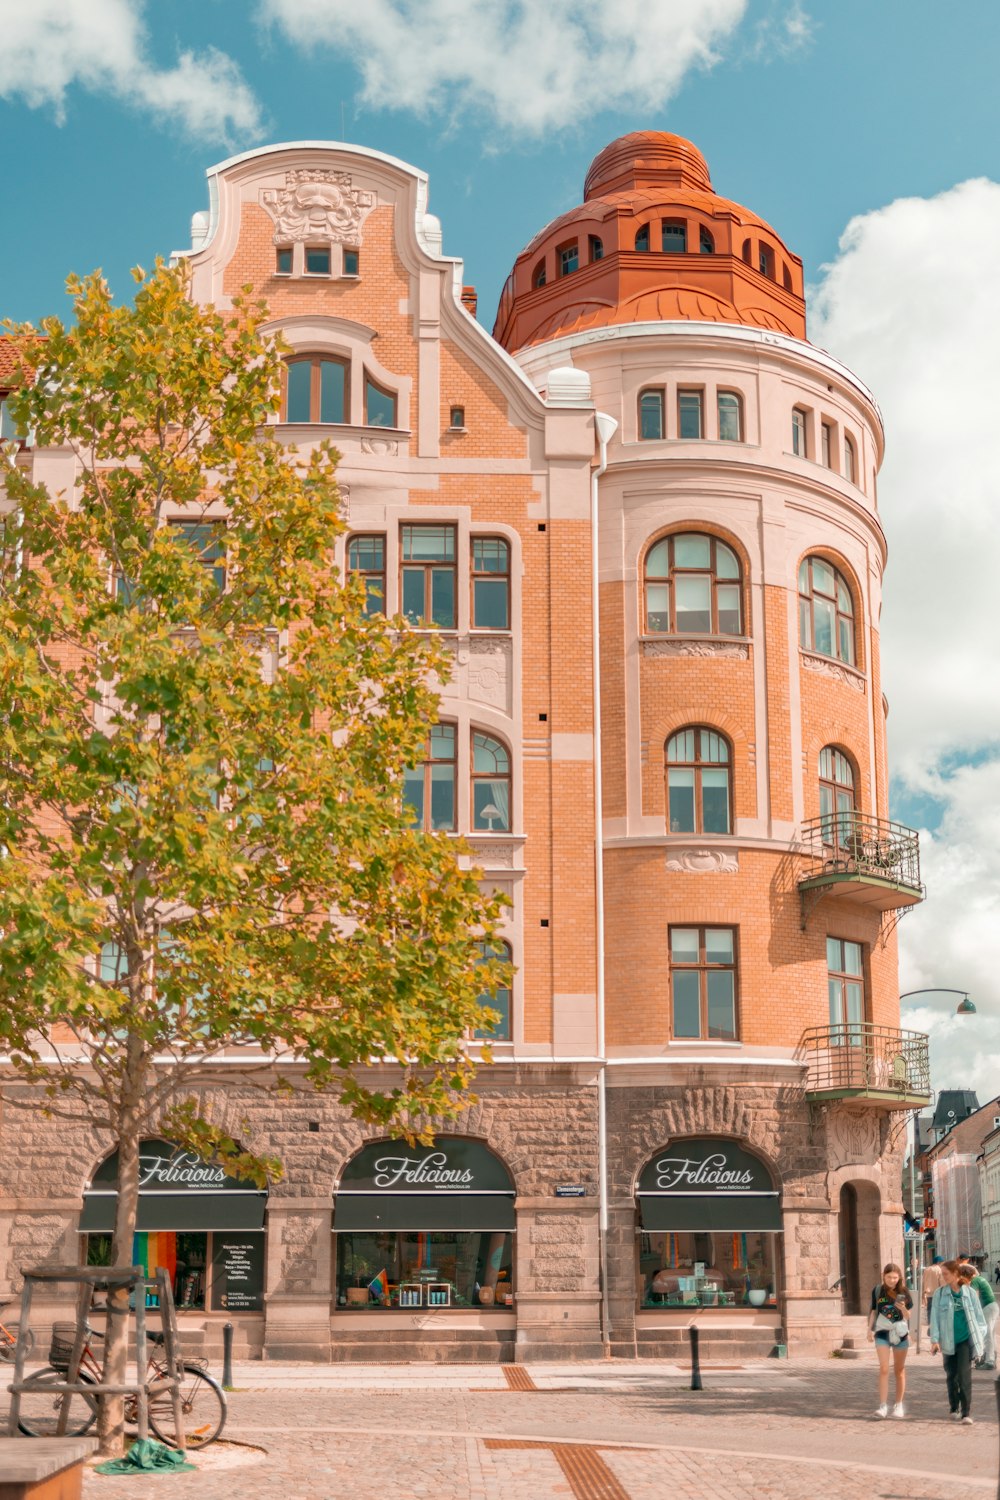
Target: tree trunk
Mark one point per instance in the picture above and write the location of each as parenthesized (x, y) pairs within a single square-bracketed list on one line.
[(110, 1418)]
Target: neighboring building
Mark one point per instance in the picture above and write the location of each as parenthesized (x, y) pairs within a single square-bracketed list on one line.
[(989, 1195), (955, 1201), (951, 1107), (697, 1085)]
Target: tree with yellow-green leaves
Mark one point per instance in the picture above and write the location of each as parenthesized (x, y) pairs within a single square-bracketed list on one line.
[(203, 735)]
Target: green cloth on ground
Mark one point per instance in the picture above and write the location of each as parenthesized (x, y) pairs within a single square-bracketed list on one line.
[(147, 1456)]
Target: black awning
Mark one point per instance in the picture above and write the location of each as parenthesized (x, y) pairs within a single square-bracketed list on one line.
[(178, 1211), (703, 1212), (423, 1211)]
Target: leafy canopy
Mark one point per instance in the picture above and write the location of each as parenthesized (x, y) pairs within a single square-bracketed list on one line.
[(202, 741)]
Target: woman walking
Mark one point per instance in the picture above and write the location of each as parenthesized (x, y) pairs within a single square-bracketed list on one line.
[(958, 1329), (889, 1330), (988, 1303)]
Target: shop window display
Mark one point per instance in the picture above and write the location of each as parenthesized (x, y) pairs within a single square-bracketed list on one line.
[(720, 1269), (439, 1269), (223, 1272)]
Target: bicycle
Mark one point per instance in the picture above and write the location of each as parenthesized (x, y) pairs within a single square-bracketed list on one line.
[(8, 1339), (203, 1401)]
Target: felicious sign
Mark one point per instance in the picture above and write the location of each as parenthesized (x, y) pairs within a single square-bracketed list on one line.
[(449, 1166), (710, 1167), (166, 1168)]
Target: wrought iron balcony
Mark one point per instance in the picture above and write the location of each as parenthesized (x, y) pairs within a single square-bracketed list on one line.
[(868, 861), (858, 1060)]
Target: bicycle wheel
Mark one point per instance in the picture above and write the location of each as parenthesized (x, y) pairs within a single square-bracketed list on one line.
[(41, 1405), (203, 1410), (8, 1341)]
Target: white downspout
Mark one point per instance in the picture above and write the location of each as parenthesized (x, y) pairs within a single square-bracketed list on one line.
[(606, 428)]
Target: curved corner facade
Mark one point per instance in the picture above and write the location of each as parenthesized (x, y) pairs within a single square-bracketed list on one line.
[(694, 1104)]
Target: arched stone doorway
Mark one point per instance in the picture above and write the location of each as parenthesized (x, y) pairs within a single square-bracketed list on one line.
[(859, 1208)]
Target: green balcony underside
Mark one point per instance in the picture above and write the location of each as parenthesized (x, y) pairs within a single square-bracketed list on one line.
[(891, 1097), (880, 892)]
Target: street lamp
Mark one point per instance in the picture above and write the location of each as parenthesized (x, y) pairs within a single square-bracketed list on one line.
[(965, 1006)]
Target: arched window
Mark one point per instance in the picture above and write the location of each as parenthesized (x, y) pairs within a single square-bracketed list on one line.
[(799, 446), (850, 460), (642, 238), (430, 787), (765, 261), (568, 258), (596, 248), (836, 796), (650, 415), (490, 784), (746, 251), (706, 243), (692, 587), (316, 390), (730, 417), (674, 237), (499, 1001), (698, 787), (826, 611), (786, 278), (538, 275), (380, 405)]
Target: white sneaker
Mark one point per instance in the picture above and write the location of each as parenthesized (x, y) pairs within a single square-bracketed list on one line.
[(956, 1416), (883, 1411), (897, 1410), (967, 1421)]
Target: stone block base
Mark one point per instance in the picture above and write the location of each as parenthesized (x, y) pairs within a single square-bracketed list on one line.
[(298, 1328)]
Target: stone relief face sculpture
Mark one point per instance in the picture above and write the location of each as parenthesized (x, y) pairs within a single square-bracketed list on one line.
[(319, 207)]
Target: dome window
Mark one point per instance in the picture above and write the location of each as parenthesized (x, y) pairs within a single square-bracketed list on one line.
[(674, 239), (642, 238), (706, 244), (568, 259), (596, 248), (538, 275), (746, 252), (766, 261)]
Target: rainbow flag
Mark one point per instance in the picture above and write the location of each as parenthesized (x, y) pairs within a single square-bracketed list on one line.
[(380, 1286), (156, 1248)]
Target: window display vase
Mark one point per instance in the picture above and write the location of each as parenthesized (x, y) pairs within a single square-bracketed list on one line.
[(486, 1296), (757, 1296)]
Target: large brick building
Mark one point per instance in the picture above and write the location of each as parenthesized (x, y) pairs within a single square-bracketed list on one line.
[(696, 1089)]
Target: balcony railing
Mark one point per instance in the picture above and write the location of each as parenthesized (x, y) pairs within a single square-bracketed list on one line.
[(870, 861), (857, 1059)]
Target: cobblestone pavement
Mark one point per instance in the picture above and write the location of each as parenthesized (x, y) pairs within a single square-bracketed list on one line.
[(621, 1431)]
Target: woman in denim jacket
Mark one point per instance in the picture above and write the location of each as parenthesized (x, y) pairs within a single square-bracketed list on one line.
[(958, 1329)]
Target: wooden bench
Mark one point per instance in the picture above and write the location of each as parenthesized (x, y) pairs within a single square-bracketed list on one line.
[(43, 1468)]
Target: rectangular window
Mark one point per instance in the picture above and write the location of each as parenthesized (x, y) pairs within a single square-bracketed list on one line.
[(380, 406), (674, 239), (428, 575), (283, 261), (689, 414), (490, 583), (798, 432), (850, 467), (596, 248), (430, 788), (703, 983), (569, 259), (352, 263), (318, 260), (366, 560), (458, 419), (651, 415), (826, 444), (207, 540), (846, 986)]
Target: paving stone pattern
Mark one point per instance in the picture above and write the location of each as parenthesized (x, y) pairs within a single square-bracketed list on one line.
[(628, 1431)]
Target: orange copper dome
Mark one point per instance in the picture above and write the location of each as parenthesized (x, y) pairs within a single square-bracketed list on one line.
[(652, 241)]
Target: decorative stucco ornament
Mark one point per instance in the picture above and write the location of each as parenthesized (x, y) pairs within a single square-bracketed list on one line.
[(702, 861), (318, 207)]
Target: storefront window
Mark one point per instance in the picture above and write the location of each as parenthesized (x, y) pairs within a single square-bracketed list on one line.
[(447, 1268), (707, 1270), (203, 1227)]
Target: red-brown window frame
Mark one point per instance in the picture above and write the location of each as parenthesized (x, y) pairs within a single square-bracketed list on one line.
[(703, 968), (315, 378)]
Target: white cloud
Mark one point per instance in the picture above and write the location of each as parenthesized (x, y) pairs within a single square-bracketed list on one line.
[(532, 68), (910, 305), (786, 30), (48, 46)]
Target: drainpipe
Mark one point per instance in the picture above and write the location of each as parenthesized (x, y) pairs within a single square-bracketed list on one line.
[(606, 428)]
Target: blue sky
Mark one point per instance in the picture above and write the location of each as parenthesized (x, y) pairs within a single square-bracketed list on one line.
[(866, 131)]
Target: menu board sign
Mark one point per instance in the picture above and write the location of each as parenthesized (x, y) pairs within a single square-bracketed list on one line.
[(237, 1272)]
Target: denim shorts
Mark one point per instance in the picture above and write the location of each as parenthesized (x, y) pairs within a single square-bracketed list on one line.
[(883, 1338)]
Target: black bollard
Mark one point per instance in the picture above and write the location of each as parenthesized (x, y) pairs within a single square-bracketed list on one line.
[(227, 1355), (695, 1366)]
